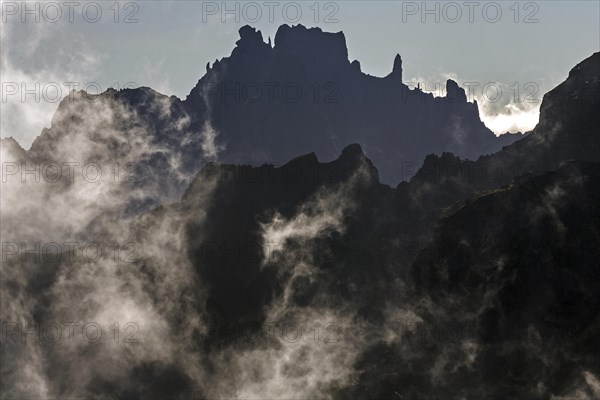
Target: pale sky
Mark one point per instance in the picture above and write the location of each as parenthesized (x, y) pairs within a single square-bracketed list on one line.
[(529, 46)]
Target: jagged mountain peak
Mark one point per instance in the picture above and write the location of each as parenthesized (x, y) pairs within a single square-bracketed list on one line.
[(578, 94), (250, 38), (312, 45), (353, 150), (397, 68), (291, 34), (455, 93), (272, 90), (258, 122)]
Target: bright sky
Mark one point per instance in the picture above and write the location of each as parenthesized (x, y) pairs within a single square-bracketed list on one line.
[(523, 48)]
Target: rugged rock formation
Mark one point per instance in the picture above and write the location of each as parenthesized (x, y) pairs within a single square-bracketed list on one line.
[(471, 279), (304, 95), (268, 103)]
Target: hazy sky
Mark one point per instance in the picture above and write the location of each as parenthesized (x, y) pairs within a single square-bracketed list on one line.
[(166, 45)]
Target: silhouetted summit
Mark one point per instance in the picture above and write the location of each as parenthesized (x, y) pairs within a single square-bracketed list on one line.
[(455, 92), (268, 103), (303, 94), (397, 69)]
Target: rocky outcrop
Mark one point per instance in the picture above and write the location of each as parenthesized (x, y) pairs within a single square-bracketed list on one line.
[(304, 95)]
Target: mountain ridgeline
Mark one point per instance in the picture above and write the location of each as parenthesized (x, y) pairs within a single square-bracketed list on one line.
[(267, 103), (477, 277), (304, 95)]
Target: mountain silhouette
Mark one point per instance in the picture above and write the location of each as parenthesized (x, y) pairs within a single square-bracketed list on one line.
[(269, 103), (303, 94), (471, 278)]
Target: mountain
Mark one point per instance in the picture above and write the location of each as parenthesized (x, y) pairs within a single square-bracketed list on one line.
[(503, 302), (402, 220), (303, 94), (269, 103), (496, 300), (568, 130), (309, 279), (452, 285)]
